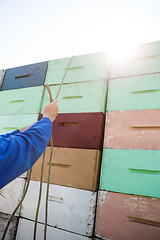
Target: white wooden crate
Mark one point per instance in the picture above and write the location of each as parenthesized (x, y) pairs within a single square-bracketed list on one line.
[(12, 194), (1, 76), (26, 229), (24, 175), (68, 208), (4, 218)]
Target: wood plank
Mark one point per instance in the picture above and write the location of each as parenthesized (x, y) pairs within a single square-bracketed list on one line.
[(11, 233), (1, 77), (71, 167), (122, 216), (134, 93), (88, 67), (9, 123), (25, 76), (145, 60), (137, 129), (21, 101), (11, 195), (78, 130), (79, 97), (70, 209), (26, 228), (131, 171)]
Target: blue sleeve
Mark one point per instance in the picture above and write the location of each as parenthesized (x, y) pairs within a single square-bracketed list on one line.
[(19, 152), (9, 134)]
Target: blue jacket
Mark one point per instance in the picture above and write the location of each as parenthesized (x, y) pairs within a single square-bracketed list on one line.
[(20, 150)]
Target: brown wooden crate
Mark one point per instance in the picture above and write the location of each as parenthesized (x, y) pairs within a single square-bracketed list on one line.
[(136, 129), (122, 216), (77, 168)]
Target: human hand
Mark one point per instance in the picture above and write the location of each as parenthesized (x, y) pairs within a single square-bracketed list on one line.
[(51, 110)]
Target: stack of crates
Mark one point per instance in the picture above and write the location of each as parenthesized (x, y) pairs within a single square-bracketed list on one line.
[(128, 205), (20, 103), (77, 146), (129, 194), (77, 140)]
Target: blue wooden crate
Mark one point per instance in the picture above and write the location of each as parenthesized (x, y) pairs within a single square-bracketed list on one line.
[(25, 76)]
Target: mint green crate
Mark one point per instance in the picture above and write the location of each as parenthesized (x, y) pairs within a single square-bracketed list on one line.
[(21, 101), (10, 123), (131, 171), (79, 97), (134, 93), (147, 49), (145, 60), (82, 68)]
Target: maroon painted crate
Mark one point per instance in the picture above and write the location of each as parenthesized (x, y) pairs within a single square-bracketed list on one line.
[(122, 216), (78, 130)]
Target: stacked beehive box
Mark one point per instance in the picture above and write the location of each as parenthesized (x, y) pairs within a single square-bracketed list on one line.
[(77, 140), (128, 199), (20, 99)]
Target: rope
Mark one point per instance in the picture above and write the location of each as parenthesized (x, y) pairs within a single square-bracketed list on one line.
[(49, 170), (39, 199), (64, 77)]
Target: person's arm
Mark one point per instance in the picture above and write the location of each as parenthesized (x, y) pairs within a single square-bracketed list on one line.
[(26, 127), (11, 133), (17, 131), (19, 152)]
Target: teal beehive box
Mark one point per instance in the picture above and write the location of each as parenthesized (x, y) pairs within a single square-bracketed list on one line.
[(89, 67), (131, 171), (79, 97), (21, 101), (134, 93)]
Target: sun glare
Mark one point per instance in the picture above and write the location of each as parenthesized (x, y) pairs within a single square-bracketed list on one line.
[(121, 52)]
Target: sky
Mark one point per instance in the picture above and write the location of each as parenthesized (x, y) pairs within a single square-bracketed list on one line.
[(40, 30)]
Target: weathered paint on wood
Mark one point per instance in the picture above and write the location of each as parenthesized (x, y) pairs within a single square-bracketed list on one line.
[(71, 167), (24, 175), (11, 233), (21, 101), (137, 129), (26, 229), (25, 76), (82, 68), (131, 171), (122, 216), (1, 77), (11, 195), (134, 93), (70, 209), (145, 60), (9, 123), (79, 97), (78, 130)]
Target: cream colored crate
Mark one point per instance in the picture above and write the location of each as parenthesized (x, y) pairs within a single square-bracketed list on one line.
[(68, 208), (11, 195), (26, 229)]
